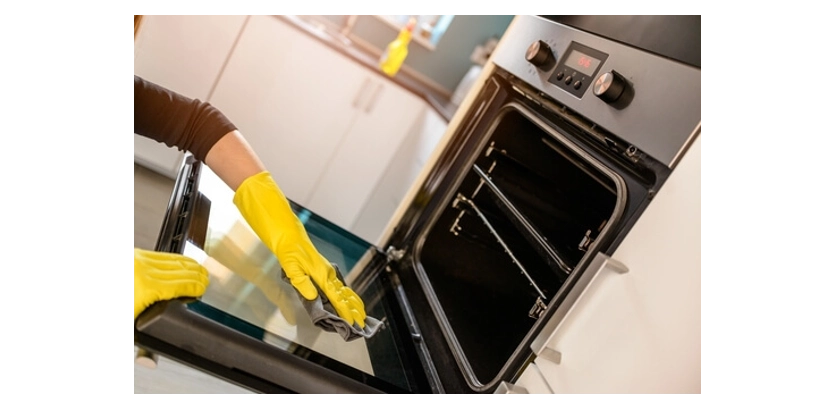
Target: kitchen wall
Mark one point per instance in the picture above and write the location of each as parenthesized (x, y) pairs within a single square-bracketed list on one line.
[(451, 59)]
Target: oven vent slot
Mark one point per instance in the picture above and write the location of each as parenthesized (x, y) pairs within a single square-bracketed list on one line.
[(543, 245), (539, 306)]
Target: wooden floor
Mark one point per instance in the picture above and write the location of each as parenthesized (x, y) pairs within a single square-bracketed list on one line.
[(151, 193)]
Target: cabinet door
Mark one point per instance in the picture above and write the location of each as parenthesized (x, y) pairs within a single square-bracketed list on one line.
[(400, 173), (184, 54), (384, 120), (640, 331), (292, 98)]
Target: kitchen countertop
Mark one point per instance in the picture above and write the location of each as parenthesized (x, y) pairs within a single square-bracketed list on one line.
[(347, 47)]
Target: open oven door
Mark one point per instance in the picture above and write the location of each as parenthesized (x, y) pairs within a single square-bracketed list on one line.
[(250, 328)]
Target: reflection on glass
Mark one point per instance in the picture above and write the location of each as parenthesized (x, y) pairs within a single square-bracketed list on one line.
[(245, 278)]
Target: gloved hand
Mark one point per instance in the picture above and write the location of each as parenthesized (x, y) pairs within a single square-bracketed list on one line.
[(267, 211), (164, 276)]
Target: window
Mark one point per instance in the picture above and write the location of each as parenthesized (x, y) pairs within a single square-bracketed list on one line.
[(428, 30)]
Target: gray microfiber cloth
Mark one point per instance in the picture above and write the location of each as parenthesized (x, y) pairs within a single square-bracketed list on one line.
[(324, 315)]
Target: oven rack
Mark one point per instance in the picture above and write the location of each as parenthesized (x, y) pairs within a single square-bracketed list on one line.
[(539, 306), (501, 155), (542, 245)]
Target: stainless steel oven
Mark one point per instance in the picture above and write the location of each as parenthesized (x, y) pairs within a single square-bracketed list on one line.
[(571, 129)]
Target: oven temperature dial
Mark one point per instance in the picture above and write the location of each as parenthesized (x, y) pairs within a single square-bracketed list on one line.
[(609, 86), (538, 53)]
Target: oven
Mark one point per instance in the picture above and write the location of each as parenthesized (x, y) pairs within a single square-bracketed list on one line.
[(570, 131)]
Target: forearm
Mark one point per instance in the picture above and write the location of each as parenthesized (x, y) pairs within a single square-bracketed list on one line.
[(233, 160)]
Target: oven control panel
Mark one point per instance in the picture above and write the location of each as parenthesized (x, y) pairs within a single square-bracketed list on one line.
[(577, 69), (650, 101)]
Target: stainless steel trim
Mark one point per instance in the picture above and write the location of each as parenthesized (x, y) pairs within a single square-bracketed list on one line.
[(597, 265), (666, 105), (682, 151)]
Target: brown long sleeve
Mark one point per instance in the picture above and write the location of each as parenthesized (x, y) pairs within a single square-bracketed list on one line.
[(176, 120)]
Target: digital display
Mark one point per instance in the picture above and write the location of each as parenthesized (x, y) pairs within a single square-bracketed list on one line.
[(577, 66), (582, 62)]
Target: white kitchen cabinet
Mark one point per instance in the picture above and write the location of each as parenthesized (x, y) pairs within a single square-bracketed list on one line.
[(184, 54), (638, 330), (325, 126), (366, 154), (401, 172), (291, 99)]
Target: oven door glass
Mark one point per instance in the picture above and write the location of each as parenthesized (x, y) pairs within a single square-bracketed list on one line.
[(248, 302)]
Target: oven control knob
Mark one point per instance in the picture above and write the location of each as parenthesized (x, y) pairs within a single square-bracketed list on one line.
[(538, 53), (610, 86)]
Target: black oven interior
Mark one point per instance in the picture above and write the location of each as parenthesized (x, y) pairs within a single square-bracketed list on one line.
[(516, 228)]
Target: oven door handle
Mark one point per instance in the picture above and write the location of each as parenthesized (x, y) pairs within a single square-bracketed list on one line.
[(594, 270)]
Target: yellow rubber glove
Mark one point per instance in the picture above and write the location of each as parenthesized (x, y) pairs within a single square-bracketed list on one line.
[(267, 211), (164, 276)]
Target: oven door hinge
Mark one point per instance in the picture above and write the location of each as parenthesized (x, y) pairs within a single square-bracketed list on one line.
[(538, 308), (394, 254), (590, 237)]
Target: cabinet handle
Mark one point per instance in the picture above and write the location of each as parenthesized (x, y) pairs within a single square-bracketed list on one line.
[(361, 93), (372, 101), (597, 265)]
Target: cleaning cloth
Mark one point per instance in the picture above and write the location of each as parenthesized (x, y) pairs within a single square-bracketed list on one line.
[(323, 315)]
